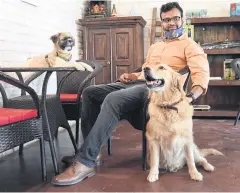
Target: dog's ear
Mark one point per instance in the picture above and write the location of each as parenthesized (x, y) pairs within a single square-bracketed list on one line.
[(55, 37)]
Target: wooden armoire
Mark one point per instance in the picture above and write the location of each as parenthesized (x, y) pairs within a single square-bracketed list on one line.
[(117, 43)]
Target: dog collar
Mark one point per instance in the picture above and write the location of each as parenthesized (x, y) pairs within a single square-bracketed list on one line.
[(46, 58), (171, 106), (66, 59)]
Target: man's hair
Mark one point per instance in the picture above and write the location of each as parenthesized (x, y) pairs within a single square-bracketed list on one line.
[(169, 6)]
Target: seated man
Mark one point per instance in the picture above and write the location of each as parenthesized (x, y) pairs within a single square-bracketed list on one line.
[(117, 99)]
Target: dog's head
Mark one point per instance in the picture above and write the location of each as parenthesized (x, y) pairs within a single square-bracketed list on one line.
[(162, 78), (63, 41)]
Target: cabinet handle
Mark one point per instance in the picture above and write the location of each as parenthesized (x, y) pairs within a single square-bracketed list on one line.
[(108, 63)]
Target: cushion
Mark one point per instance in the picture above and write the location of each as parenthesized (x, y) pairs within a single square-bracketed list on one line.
[(68, 97), (8, 116)]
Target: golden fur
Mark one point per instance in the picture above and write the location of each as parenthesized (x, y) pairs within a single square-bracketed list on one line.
[(169, 132), (58, 57)]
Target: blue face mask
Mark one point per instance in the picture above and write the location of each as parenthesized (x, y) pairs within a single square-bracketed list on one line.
[(171, 34)]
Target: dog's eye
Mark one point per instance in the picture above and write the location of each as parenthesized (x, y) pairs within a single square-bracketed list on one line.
[(161, 68)]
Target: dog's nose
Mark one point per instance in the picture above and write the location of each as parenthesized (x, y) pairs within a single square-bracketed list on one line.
[(146, 69)]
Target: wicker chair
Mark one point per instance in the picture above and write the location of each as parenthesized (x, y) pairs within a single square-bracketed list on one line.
[(138, 119), (18, 126), (55, 113), (70, 88)]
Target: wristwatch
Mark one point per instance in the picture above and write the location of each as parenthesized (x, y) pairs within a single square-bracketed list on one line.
[(190, 94)]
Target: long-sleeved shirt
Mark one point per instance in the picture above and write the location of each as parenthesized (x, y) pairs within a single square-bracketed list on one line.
[(177, 54)]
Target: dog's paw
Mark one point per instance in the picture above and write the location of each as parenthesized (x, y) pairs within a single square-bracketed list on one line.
[(209, 167), (86, 66), (79, 67), (195, 175), (152, 177)]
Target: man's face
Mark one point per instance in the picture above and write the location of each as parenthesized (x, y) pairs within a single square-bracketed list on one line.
[(171, 20)]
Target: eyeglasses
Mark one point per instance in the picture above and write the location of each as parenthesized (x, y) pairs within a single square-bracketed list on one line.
[(174, 19)]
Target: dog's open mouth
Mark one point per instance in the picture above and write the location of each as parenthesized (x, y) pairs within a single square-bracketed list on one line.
[(68, 48), (152, 83)]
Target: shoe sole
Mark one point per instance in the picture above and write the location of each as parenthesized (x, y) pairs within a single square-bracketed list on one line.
[(75, 181)]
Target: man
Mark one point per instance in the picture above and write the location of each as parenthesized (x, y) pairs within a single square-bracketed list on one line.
[(117, 99)]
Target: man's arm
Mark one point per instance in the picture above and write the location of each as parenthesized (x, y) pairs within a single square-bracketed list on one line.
[(199, 67)]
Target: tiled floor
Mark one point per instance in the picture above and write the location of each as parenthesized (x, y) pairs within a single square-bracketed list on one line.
[(122, 171)]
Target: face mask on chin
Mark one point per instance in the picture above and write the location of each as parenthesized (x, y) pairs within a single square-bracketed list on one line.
[(171, 34)]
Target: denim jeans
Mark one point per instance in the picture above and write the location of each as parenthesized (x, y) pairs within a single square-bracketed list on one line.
[(103, 106)]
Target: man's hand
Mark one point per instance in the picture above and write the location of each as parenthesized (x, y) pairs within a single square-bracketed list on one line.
[(127, 77), (197, 92)]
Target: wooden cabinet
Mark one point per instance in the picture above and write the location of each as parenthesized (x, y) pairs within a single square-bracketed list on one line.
[(223, 95), (115, 42)]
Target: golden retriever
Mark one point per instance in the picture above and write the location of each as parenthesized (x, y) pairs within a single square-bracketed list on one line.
[(169, 130)]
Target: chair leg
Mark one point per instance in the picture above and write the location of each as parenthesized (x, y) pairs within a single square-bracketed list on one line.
[(54, 157), (237, 117), (77, 131), (144, 151), (109, 146), (20, 151), (43, 159), (72, 139)]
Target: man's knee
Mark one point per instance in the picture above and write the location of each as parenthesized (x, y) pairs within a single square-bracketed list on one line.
[(111, 98), (112, 102)]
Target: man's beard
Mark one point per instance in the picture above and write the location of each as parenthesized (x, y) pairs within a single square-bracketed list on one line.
[(167, 29)]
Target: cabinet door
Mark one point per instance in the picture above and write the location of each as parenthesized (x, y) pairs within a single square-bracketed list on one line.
[(99, 50), (122, 51)]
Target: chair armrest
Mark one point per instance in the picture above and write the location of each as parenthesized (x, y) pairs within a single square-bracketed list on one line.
[(33, 77), (4, 95), (97, 69), (60, 84), (29, 80), (183, 71), (3, 92), (12, 81), (20, 78)]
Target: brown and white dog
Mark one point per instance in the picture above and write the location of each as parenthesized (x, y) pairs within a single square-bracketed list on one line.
[(169, 130), (61, 56)]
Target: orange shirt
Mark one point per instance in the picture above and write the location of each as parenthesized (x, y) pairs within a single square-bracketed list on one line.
[(177, 54)]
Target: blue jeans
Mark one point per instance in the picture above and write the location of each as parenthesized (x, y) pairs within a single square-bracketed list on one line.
[(103, 106)]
